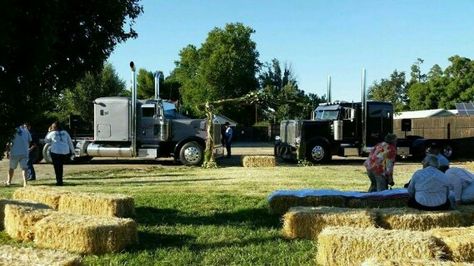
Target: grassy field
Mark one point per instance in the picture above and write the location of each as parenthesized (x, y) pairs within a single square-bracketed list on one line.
[(194, 216)]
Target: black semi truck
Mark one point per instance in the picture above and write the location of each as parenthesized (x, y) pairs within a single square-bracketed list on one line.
[(347, 129)]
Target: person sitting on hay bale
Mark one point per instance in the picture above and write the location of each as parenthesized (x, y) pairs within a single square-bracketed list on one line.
[(462, 182), (380, 164), (429, 188)]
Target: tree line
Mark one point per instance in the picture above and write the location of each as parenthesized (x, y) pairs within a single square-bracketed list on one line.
[(439, 88)]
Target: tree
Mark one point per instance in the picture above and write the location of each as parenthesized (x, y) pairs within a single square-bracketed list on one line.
[(78, 100), (225, 66), (49, 45), (392, 90), (145, 84), (287, 101)]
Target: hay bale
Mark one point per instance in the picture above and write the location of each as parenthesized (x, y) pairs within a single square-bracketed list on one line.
[(281, 204), (467, 211), (41, 194), (396, 262), (352, 246), (258, 161), (388, 202), (459, 241), (100, 204), (85, 234), (4, 202), (20, 219), (308, 222), (21, 256), (412, 219)]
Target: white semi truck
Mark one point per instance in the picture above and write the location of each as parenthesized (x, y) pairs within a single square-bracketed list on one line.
[(127, 127)]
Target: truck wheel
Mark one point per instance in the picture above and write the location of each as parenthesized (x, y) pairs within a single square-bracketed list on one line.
[(47, 153), (318, 153), (448, 151), (191, 154)]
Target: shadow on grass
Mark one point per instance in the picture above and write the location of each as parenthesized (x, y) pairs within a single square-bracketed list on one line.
[(91, 177), (151, 182), (152, 241), (253, 217)]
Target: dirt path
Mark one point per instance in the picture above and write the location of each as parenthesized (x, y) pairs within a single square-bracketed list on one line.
[(45, 171)]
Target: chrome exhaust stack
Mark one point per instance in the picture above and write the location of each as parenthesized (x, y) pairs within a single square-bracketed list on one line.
[(328, 100), (364, 108), (133, 113), (157, 76)]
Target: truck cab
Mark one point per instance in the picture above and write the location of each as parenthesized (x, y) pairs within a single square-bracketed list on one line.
[(341, 128)]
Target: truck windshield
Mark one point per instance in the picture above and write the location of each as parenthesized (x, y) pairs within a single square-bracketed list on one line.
[(326, 114)]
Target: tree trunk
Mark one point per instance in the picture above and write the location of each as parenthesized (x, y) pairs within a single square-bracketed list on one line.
[(209, 160)]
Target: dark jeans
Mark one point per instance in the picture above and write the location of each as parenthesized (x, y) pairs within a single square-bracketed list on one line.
[(31, 174), (414, 204), (58, 163), (227, 146)]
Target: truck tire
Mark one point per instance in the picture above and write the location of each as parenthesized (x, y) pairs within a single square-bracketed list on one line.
[(318, 152), (47, 153), (191, 154)]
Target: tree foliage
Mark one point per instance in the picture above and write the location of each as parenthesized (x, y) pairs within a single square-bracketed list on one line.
[(391, 90), (49, 45), (78, 99), (225, 66), (286, 100)]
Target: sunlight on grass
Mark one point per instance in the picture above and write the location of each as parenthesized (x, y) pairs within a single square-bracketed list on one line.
[(194, 216)]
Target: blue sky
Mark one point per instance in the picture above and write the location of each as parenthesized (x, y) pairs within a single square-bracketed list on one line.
[(316, 38)]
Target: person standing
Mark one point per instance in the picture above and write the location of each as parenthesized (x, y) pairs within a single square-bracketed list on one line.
[(33, 153), (429, 188), (61, 149), (380, 164), (17, 152), (228, 138)]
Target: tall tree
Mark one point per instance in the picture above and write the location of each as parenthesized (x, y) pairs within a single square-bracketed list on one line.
[(145, 84), (225, 66), (48, 45), (392, 90), (78, 99)]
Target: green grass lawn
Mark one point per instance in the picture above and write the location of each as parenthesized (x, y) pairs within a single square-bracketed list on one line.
[(194, 216)]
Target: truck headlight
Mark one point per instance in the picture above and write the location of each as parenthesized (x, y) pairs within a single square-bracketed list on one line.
[(298, 140), (277, 138)]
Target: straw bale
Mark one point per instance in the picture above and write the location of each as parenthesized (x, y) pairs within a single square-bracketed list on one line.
[(21, 256), (258, 161), (308, 222), (4, 202), (467, 212), (100, 204), (460, 242), (387, 202), (85, 234), (352, 246), (41, 194), (412, 219), (415, 262), (281, 204), (20, 219)]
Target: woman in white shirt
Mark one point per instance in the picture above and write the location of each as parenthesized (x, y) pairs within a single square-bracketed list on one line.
[(61, 149), (429, 188)]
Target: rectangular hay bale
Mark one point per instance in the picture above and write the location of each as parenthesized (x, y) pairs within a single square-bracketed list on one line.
[(467, 212), (41, 194), (459, 241), (352, 246), (21, 218), (4, 202), (101, 204), (21, 256), (308, 222), (417, 262), (417, 220), (377, 202), (85, 234), (259, 161), (281, 204)]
